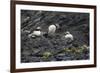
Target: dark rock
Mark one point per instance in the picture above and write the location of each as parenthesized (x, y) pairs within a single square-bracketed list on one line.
[(32, 49), (60, 57)]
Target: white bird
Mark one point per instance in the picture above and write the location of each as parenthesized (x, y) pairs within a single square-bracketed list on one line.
[(36, 32), (52, 29), (69, 37)]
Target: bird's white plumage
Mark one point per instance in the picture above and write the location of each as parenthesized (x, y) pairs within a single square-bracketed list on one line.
[(51, 29), (69, 37), (37, 33)]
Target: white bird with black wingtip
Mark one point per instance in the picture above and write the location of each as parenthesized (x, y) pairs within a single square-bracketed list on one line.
[(36, 33), (69, 37)]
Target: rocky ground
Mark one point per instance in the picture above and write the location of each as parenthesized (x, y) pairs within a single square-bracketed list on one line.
[(40, 49)]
